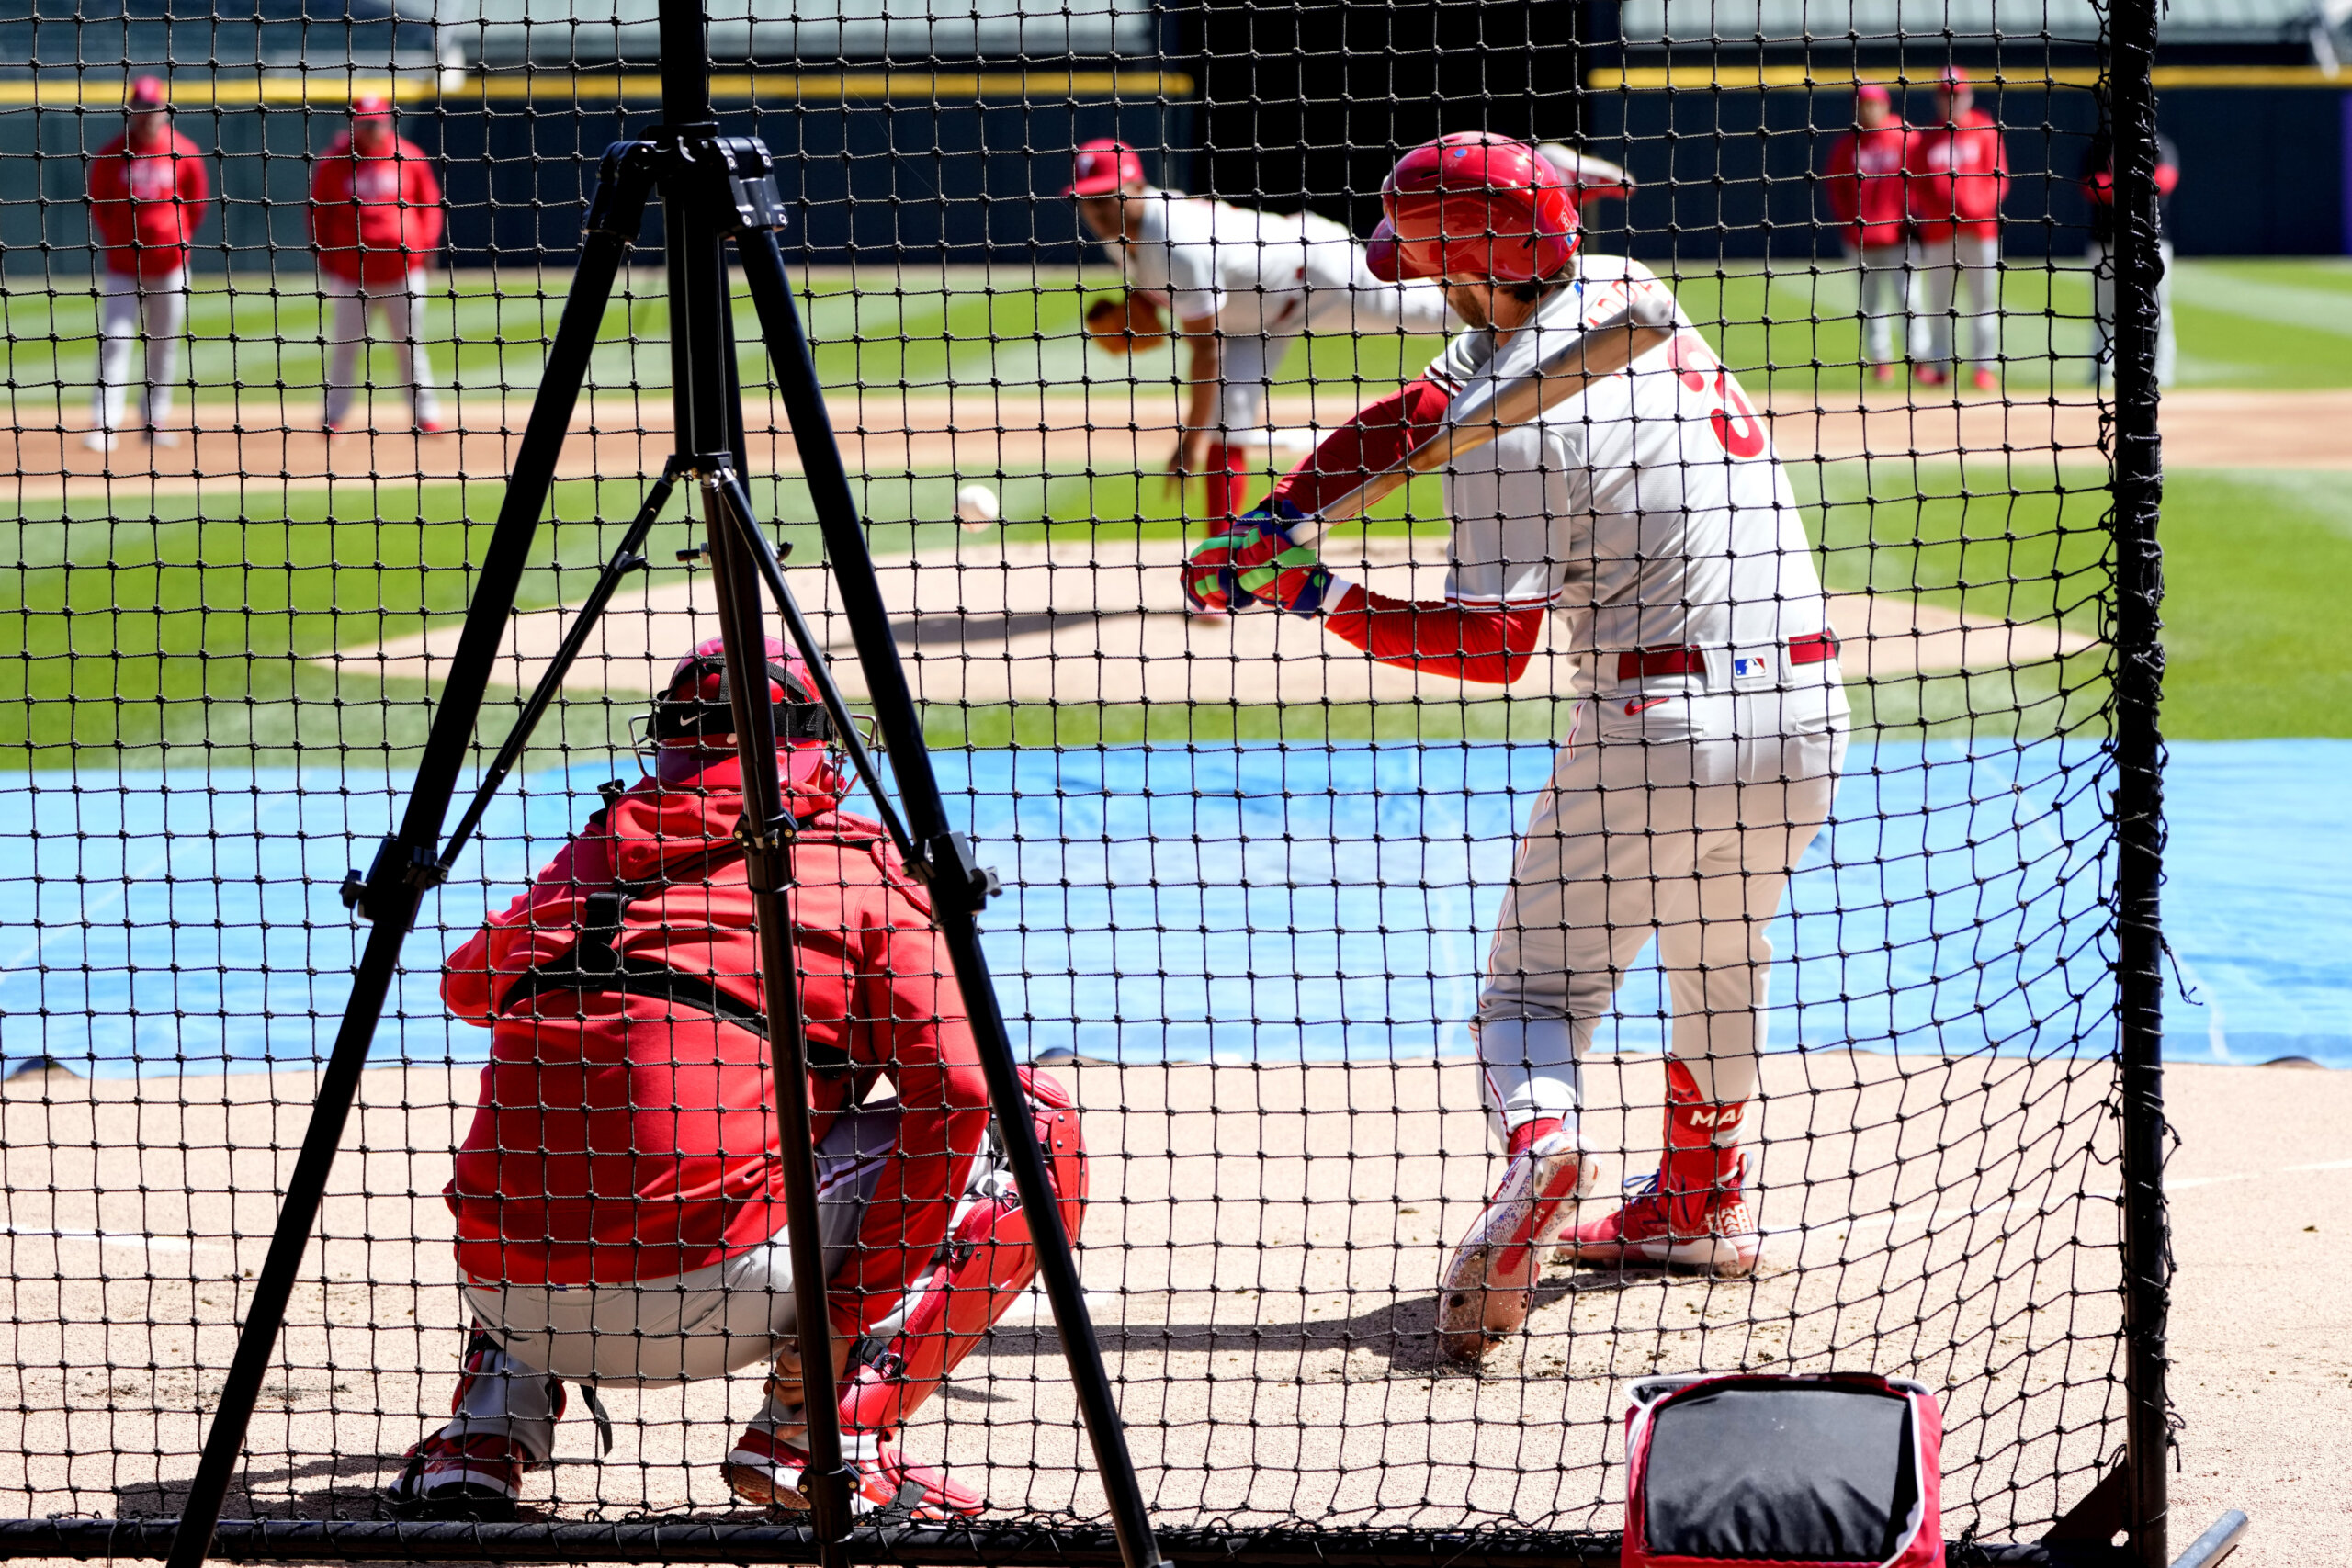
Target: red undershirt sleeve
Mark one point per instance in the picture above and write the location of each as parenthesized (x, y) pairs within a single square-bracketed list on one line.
[(1439, 638)]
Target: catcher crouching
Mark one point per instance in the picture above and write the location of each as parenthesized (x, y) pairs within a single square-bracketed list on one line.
[(619, 1197)]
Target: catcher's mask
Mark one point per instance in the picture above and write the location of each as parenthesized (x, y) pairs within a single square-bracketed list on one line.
[(695, 710)]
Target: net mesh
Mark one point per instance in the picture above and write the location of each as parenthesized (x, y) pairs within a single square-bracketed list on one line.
[(1259, 915)]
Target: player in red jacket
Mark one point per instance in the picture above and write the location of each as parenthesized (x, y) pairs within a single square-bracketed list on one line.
[(1958, 174), (1865, 187), (619, 1202), (148, 193), (2099, 188), (376, 220)]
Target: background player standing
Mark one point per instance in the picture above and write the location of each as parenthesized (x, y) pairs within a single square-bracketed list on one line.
[(619, 1202), (1652, 517), (376, 220), (148, 195), (1241, 285), (1864, 184), (1957, 174), (2099, 185)]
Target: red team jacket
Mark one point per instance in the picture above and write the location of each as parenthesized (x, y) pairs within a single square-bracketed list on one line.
[(1957, 176), (374, 220), (629, 1136), (146, 207), (1866, 187)]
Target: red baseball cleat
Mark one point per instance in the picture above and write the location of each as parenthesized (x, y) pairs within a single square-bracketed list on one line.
[(434, 427), (1985, 381), (1490, 1282), (1930, 375), (1688, 1213), (763, 1468), (480, 1477), (1881, 373)]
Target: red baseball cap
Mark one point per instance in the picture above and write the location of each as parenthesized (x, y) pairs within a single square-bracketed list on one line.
[(149, 93), (1873, 93), (371, 107), (1103, 167), (1953, 76)]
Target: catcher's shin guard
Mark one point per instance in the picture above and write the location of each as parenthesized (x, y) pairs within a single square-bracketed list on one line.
[(1490, 1282), (984, 1266)]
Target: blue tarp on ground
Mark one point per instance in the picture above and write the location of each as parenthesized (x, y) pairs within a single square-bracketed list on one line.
[(1260, 903)]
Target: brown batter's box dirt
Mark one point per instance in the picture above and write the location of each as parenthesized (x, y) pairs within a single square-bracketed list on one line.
[(1260, 1255)]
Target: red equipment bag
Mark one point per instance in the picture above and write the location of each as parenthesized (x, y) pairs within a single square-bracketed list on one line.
[(1830, 1470)]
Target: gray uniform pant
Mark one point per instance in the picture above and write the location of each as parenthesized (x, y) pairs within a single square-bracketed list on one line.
[(1889, 291), (133, 309), (402, 304), (1960, 279), (704, 1324), (1682, 820)]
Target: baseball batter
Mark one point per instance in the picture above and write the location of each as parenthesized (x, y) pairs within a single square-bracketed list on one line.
[(1240, 288), (1865, 187), (1651, 518)]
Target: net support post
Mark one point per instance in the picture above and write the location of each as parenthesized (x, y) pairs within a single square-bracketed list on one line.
[(2138, 468)]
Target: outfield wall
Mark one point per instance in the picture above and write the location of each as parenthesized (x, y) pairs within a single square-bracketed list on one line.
[(968, 169)]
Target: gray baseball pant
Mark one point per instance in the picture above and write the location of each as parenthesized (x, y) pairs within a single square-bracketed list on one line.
[(1681, 820)]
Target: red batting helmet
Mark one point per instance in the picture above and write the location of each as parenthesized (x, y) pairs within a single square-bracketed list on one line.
[(1103, 167), (1476, 205)]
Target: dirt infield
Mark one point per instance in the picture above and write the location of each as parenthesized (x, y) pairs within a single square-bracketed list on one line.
[(990, 623), (1109, 429), (1259, 1253)]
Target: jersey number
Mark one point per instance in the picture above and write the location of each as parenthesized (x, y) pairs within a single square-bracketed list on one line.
[(1733, 417)]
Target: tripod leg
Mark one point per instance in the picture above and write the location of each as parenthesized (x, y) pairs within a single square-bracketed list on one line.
[(766, 830), (406, 866), (958, 886), (624, 560)]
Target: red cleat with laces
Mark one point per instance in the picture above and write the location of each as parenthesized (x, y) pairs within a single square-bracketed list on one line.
[(1985, 381), (477, 1477), (1490, 1282), (1691, 1212), (763, 1468)]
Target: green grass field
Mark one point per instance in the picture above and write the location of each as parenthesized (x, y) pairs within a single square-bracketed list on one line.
[(190, 621)]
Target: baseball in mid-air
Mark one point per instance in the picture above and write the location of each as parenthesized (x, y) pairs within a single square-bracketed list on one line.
[(976, 506)]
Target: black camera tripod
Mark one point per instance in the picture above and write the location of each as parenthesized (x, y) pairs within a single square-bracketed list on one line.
[(713, 189)]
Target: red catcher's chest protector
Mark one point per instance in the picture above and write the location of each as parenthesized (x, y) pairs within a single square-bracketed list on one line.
[(1834, 1470)]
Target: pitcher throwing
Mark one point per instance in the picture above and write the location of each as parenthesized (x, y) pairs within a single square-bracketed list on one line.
[(1651, 516)]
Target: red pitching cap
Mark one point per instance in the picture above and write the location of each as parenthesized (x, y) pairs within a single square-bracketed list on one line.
[(1103, 167), (1953, 76), (149, 93), (371, 107), (1873, 93)]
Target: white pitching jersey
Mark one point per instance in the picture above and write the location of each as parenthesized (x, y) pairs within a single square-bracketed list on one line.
[(1250, 272), (1651, 512)]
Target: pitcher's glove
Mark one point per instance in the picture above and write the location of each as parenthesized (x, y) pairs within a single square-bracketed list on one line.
[(1254, 560), (1125, 323)]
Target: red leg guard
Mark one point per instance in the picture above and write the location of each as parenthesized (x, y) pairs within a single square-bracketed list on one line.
[(988, 1265)]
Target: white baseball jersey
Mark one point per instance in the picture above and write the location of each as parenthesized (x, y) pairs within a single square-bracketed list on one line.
[(1250, 272), (1651, 511)]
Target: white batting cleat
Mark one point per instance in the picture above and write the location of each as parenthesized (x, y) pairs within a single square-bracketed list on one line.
[(99, 441), (1490, 1282)]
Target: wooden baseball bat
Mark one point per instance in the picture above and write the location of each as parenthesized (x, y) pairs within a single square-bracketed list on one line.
[(1598, 351)]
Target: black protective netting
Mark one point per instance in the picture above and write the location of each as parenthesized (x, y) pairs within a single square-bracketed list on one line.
[(1793, 646)]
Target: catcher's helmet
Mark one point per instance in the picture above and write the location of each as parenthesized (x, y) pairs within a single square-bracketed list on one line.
[(1474, 205), (694, 711)]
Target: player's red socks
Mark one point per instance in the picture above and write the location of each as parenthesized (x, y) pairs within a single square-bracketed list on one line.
[(1227, 471), (1527, 1133)]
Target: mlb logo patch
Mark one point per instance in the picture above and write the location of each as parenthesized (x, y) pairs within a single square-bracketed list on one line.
[(1748, 669)]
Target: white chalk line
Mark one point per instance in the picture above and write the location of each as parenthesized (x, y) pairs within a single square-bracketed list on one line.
[(110, 1238)]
